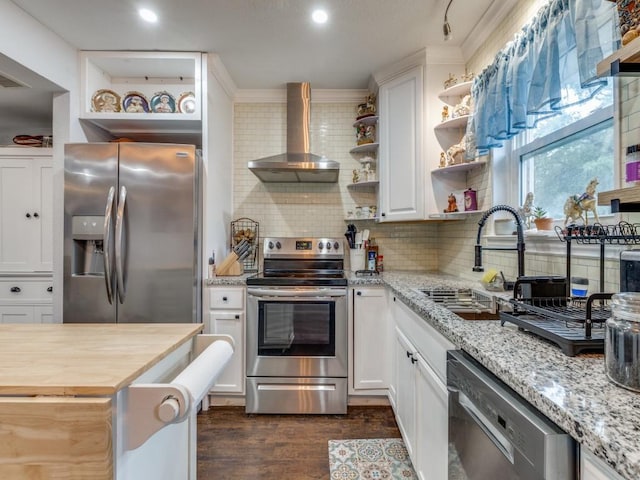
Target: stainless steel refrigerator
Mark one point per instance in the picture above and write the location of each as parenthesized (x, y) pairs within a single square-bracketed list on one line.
[(132, 235)]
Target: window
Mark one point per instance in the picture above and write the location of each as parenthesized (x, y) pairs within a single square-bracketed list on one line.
[(561, 156)]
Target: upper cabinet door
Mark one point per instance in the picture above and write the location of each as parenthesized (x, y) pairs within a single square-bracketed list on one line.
[(401, 147), (26, 225)]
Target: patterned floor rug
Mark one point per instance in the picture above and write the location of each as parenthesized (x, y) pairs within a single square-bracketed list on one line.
[(377, 459)]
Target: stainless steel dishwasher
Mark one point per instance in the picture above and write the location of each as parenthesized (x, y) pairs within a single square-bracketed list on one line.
[(495, 434)]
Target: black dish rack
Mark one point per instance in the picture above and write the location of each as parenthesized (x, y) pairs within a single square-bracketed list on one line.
[(622, 233), (544, 306), (574, 324)]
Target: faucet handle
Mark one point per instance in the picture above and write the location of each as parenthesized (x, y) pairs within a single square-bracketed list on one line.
[(478, 261)]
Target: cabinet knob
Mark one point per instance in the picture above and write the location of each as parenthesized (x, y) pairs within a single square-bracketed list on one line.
[(225, 299), (49, 289), (358, 293), (409, 354), (35, 214), (15, 290), (413, 359), (28, 215), (237, 317), (383, 214)]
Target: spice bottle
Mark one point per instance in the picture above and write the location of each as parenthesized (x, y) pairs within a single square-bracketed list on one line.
[(632, 165), (372, 255)]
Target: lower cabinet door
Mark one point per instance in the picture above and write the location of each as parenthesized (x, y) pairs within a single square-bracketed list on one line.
[(16, 314), (43, 314), (405, 390), (371, 343), (231, 380), (431, 446)]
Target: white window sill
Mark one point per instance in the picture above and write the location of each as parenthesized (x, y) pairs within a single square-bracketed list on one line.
[(548, 243)]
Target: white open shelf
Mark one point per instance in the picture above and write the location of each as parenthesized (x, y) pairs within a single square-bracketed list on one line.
[(148, 73)]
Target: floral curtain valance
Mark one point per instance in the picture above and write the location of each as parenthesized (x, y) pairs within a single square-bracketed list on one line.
[(550, 65)]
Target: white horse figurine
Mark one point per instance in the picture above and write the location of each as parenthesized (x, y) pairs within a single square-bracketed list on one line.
[(577, 206), (526, 210)]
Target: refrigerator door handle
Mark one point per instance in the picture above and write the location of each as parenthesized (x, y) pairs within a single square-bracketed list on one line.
[(122, 291), (106, 243)]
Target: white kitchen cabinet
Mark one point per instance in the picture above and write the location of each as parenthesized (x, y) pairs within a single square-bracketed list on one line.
[(405, 380), (147, 73), (419, 386), (592, 468), (432, 428), (26, 299), (372, 342), (401, 164), (26, 199), (226, 316)]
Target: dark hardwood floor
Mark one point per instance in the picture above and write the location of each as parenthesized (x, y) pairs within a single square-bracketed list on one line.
[(233, 445)]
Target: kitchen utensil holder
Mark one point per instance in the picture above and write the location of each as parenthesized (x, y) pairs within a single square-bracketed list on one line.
[(246, 229)]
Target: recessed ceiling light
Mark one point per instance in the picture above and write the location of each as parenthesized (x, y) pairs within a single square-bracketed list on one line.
[(148, 15), (319, 16)]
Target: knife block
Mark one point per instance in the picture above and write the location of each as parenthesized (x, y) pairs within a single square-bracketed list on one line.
[(230, 266)]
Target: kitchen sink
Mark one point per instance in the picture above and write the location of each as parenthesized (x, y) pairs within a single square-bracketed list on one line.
[(468, 303)]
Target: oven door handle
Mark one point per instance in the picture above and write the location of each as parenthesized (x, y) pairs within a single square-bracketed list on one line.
[(501, 442), (319, 294)]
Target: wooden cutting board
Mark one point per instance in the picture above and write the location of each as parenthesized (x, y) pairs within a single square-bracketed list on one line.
[(83, 359)]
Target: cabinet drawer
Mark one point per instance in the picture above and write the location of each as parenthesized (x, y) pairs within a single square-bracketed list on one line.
[(26, 291), (226, 298)]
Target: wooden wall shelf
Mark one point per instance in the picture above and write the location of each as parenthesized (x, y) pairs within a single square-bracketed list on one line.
[(621, 200), (624, 60)]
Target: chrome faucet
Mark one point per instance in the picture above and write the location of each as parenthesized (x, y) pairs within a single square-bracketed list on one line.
[(519, 245)]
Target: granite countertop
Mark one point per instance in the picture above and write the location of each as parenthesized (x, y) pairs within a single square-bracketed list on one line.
[(572, 391)]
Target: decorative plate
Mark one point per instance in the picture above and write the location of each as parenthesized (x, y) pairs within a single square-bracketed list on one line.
[(163, 102), (135, 102), (187, 102), (105, 100)]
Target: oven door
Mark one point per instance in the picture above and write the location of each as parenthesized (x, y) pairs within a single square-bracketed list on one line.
[(297, 332)]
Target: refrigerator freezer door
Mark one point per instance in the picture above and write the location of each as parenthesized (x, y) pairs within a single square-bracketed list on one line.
[(159, 230), (90, 171)]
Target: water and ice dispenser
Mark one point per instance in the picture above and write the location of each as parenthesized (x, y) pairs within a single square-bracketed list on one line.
[(88, 253)]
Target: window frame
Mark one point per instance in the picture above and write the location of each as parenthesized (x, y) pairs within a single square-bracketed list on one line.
[(564, 134), (507, 184)]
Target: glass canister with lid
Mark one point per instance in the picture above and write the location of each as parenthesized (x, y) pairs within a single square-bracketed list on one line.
[(622, 341)]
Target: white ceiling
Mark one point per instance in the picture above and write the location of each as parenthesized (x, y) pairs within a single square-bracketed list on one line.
[(262, 43), (266, 43)]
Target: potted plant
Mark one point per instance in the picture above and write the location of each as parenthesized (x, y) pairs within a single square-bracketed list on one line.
[(541, 220)]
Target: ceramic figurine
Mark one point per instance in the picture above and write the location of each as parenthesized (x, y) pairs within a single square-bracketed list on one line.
[(452, 205), (443, 160), (526, 210), (456, 152), (463, 108), (450, 82), (577, 206), (467, 77), (356, 176), (445, 113)]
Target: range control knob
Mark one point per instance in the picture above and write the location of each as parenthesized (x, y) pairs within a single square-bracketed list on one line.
[(278, 245), (270, 245), (320, 245), (336, 245), (328, 245)]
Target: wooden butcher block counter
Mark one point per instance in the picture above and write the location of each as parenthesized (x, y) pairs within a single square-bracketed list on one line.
[(61, 393)]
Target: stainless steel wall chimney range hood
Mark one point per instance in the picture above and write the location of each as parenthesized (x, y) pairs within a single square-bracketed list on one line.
[(297, 165)]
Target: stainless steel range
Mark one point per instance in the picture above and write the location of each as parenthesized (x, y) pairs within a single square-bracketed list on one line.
[(297, 328)]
